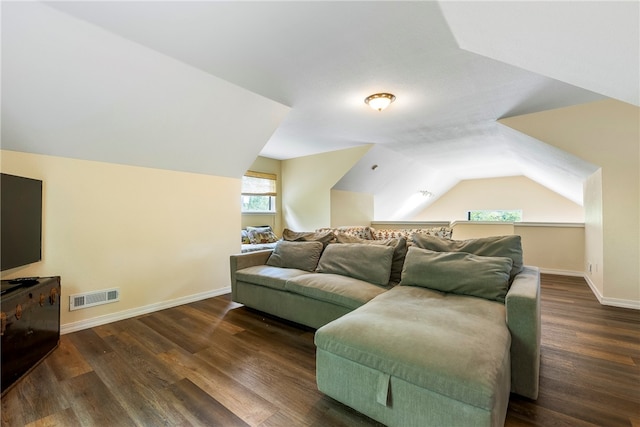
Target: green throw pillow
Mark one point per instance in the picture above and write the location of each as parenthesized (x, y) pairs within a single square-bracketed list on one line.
[(300, 255), (501, 246), (458, 273), (371, 263), (399, 246)]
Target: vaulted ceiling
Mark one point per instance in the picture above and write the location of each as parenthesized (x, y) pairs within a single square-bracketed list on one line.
[(290, 78)]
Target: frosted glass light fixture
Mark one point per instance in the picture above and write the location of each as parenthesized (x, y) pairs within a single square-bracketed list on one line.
[(379, 101)]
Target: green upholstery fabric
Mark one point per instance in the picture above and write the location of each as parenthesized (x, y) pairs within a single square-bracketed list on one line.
[(523, 319), (288, 305), (300, 255), (341, 290), (399, 246), (408, 405), (242, 261), (271, 277), (458, 272), (502, 246), (371, 263), (453, 345)]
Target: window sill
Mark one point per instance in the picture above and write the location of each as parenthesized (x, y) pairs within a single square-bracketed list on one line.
[(259, 213)]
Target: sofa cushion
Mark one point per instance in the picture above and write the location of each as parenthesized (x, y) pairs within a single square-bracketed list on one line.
[(501, 246), (450, 344), (261, 235), (271, 277), (334, 288), (308, 236), (458, 272), (371, 263), (300, 255), (399, 246)]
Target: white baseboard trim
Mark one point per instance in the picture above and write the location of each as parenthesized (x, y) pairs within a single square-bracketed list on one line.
[(595, 290), (614, 302), (622, 303), (126, 314)]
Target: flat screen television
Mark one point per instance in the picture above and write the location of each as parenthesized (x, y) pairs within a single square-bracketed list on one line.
[(20, 221)]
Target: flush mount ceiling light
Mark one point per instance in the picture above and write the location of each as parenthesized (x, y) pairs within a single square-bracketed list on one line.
[(379, 101)]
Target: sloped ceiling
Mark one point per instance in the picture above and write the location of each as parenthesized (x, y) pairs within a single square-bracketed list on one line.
[(322, 59), (591, 44), (71, 89)]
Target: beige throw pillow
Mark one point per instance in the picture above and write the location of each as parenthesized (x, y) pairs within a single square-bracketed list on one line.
[(259, 235)]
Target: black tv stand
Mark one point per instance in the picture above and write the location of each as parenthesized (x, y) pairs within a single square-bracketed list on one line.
[(30, 325)]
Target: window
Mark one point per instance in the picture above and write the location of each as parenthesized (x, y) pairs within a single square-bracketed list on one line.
[(258, 192), (496, 215)]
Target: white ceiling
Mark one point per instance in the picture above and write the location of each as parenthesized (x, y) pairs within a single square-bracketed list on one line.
[(455, 67), (590, 44)]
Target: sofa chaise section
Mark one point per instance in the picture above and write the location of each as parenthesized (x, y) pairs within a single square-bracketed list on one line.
[(417, 357), (444, 347)]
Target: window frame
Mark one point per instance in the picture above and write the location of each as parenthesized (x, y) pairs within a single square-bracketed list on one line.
[(270, 193), (518, 211)]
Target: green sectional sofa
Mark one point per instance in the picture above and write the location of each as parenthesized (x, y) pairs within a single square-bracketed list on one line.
[(445, 346)]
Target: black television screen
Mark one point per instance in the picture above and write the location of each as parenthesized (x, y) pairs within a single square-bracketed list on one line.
[(20, 221)]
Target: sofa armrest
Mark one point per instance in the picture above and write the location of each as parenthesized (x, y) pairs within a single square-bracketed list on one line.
[(523, 319), (244, 260)]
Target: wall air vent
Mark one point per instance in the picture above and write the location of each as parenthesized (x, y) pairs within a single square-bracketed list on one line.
[(91, 299)]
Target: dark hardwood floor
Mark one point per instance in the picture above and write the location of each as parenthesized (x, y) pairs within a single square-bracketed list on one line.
[(214, 362)]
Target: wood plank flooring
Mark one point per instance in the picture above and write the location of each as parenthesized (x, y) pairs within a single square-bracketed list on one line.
[(215, 363)]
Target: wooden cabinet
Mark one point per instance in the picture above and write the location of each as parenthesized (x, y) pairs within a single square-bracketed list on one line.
[(30, 325)]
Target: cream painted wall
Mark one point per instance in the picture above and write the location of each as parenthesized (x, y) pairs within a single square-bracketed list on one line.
[(267, 165), (593, 235), (538, 204), (350, 208), (307, 183), (555, 248), (463, 230), (605, 133), (157, 235)]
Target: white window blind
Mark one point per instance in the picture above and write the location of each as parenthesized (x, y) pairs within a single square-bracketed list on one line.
[(258, 192), (258, 184)]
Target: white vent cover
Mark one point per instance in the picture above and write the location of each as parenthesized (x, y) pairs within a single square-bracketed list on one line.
[(90, 299)]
